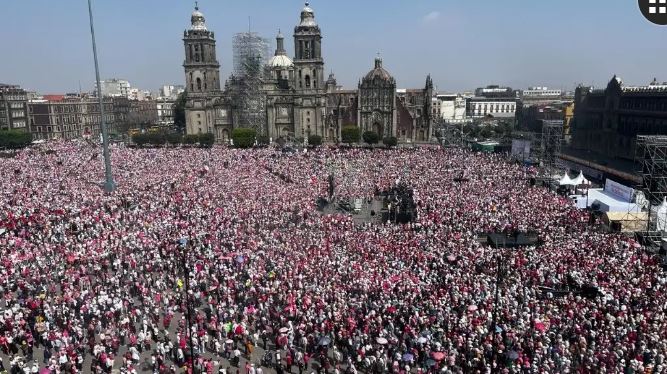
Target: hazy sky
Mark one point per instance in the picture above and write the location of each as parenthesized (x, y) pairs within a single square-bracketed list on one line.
[(462, 43)]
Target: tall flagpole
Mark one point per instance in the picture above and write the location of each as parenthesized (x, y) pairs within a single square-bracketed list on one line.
[(109, 185)]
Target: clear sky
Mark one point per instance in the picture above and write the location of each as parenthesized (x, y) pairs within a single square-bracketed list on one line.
[(462, 43)]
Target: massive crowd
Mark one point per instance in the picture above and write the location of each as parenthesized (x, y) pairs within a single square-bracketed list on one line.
[(95, 281)]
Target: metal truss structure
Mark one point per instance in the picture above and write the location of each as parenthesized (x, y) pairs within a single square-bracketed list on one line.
[(552, 139)]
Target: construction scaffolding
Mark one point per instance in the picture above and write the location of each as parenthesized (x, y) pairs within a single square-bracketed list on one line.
[(651, 157), (251, 53), (552, 139)]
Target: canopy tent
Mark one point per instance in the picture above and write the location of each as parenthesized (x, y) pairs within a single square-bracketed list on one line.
[(566, 181), (580, 179)]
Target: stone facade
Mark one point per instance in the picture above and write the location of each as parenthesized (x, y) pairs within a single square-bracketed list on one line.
[(298, 101), (608, 121), (13, 108)]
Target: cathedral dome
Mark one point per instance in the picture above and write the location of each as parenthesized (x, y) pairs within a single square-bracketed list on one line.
[(280, 61), (378, 73), (197, 20)]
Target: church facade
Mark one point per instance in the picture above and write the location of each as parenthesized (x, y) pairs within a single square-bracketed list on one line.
[(299, 102)]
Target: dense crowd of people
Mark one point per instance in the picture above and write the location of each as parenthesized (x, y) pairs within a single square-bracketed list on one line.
[(97, 281)]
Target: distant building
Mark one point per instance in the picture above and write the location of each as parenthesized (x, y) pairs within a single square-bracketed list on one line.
[(13, 108), (139, 95), (68, 116), (495, 91), (165, 111), (540, 96), (493, 101), (115, 87), (608, 121), (171, 91), (451, 108)]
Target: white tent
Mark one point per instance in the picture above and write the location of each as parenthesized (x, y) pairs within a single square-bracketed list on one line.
[(580, 179), (565, 180)]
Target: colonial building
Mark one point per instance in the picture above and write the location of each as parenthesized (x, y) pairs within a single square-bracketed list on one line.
[(608, 121), (13, 108), (294, 99), (493, 101), (68, 116)]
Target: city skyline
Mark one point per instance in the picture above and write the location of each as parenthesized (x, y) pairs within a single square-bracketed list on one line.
[(462, 45)]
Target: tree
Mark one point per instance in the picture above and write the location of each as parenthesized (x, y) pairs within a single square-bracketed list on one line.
[(140, 139), (206, 140), (485, 132), (190, 139), (390, 141), (157, 139), (136, 120), (350, 134), (371, 137), (179, 112), (174, 138), (315, 140), (15, 139), (243, 137), (263, 140)]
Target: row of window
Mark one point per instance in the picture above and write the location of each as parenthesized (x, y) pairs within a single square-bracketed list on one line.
[(645, 104), (499, 108)]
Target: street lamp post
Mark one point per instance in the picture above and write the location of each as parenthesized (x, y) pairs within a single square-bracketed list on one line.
[(109, 185), (183, 243), (500, 274)]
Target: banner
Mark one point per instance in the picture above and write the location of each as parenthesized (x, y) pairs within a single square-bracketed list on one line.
[(619, 191)]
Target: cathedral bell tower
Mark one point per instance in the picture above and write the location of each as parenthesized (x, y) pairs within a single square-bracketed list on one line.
[(202, 70), (309, 88), (308, 61), (202, 75)]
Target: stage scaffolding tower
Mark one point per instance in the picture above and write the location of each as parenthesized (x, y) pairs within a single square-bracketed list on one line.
[(251, 53), (552, 139), (651, 157)]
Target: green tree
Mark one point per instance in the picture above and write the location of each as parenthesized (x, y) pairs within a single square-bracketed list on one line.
[(206, 140), (315, 140), (263, 140), (140, 139), (179, 112), (157, 139), (371, 137), (191, 139), (244, 138), (15, 139), (485, 132), (390, 141), (350, 134), (174, 138)]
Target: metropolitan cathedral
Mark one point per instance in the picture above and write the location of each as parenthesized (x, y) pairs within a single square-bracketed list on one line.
[(299, 100)]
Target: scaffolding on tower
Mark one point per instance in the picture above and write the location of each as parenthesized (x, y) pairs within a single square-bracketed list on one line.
[(251, 53)]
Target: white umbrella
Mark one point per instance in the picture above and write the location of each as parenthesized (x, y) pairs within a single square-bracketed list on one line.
[(381, 340)]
